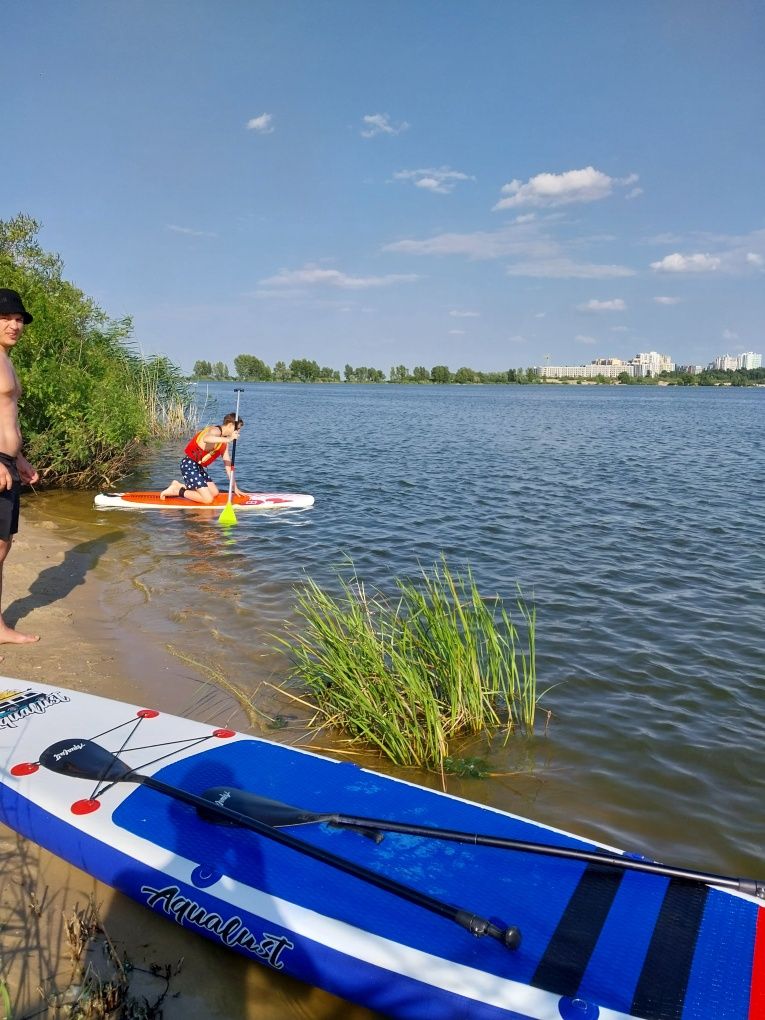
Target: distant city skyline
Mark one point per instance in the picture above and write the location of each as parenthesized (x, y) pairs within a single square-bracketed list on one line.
[(374, 183), (652, 363)]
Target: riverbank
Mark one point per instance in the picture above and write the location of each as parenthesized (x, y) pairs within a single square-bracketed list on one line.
[(52, 588)]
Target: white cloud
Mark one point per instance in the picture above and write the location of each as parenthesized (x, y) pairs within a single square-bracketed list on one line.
[(441, 181), (663, 300), (456, 332), (614, 305), (549, 190), (380, 124), (538, 254), (729, 334), (677, 263), (581, 338), (481, 244), (189, 231), (457, 314), (263, 124), (753, 259), (311, 275), (565, 268)]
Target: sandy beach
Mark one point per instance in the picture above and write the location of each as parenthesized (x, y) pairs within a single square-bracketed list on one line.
[(50, 589)]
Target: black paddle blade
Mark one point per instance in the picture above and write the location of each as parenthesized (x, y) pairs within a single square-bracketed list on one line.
[(271, 812), (84, 759), (261, 809)]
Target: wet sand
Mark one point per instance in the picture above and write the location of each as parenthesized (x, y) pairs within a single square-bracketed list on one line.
[(50, 589)]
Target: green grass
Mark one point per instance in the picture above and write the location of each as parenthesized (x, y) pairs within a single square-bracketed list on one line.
[(414, 674)]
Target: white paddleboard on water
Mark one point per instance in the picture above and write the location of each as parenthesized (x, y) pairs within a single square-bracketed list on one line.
[(250, 501)]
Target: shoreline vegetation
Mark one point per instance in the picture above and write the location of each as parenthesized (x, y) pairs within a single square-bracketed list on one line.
[(300, 370), (90, 402), (415, 674)]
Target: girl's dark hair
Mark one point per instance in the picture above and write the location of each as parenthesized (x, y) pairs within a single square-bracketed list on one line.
[(231, 418)]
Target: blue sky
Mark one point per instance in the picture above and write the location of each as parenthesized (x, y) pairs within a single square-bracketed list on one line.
[(381, 182)]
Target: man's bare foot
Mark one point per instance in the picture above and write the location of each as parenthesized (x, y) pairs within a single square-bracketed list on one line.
[(172, 490), (8, 636)]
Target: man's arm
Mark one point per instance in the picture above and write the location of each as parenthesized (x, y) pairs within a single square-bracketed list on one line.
[(27, 473)]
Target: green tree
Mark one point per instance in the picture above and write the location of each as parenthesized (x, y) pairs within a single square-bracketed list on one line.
[(464, 375), (349, 373), (399, 374), (251, 369), (220, 372), (281, 372), (89, 401), (420, 374), (440, 374), (202, 370), (304, 370)]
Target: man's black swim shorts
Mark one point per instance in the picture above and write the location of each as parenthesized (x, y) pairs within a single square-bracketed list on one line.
[(9, 500)]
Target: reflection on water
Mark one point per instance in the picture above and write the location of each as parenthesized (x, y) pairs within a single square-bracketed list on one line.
[(633, 516)]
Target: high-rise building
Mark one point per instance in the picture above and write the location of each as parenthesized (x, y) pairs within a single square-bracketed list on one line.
[(749, 360), (652, 363)]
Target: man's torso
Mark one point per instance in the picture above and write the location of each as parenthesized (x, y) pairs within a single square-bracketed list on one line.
[(10, 436)]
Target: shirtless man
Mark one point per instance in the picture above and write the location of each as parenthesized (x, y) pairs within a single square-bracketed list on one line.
[(207, 445), (14, 467)]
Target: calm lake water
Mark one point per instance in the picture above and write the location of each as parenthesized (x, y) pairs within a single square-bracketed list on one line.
[(633, 517)]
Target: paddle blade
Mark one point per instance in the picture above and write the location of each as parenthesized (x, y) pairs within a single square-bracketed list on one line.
[(260, 809), (227, 515), (84, 759)]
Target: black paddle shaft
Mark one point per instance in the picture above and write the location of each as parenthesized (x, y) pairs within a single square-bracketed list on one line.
[(478, 926), (84, 759), (233, 445), (747, 885), (276, 813)]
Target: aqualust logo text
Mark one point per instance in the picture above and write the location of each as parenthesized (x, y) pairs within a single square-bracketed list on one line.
[(231, 931), (17, 705)]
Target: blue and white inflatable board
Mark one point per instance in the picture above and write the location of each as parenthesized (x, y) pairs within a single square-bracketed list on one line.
[(596, 942)]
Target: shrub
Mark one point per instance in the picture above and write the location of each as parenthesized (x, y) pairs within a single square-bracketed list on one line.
[(89, 402)]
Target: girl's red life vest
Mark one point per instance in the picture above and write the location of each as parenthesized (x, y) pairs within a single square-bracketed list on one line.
[(197, 452)]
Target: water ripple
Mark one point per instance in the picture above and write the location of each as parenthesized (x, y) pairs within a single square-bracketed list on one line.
[(634, 518)]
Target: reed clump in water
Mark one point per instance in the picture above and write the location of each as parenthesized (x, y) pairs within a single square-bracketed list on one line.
[(413, 674)]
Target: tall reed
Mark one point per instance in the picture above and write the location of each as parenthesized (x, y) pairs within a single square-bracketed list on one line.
[(413, 674)]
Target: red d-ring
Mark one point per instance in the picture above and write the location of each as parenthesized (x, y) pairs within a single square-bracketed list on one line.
[(85, 807)]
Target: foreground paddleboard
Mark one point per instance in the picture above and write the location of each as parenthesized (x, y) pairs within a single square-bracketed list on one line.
[(252, 501), (596, 942)]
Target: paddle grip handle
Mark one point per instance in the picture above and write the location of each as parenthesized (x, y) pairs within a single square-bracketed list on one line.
[(510, 937)]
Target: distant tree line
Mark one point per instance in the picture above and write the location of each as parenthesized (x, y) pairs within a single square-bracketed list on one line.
[(716, 377), (249, 368), (707, 377)]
